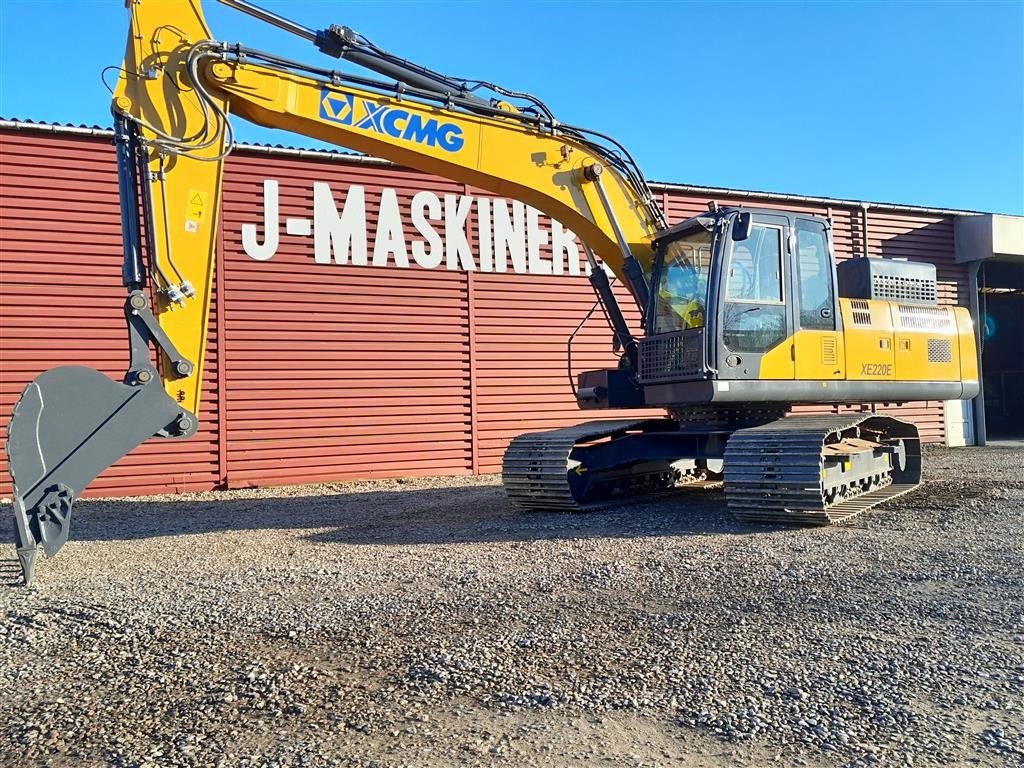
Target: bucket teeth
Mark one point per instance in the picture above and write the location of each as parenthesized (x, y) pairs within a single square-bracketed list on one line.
[(27, 561)]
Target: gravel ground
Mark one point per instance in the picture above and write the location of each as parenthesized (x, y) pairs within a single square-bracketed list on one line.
[(429, 623)]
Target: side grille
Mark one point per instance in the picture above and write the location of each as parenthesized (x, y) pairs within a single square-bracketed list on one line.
[(924, 318), (671, 356), (829, 352), (940, 351)]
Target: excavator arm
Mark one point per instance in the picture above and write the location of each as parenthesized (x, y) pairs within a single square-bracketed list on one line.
[(172, 103)]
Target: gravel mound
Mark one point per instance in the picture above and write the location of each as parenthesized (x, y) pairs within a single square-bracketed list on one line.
[(430, 623)]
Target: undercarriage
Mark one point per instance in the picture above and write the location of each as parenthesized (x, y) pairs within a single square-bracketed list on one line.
[(796, 470)]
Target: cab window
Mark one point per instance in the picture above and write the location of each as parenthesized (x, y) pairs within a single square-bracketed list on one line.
[(814, 270), (683, 285), (755, 268), (754, 318)]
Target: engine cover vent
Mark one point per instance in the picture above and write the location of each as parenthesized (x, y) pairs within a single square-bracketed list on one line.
[(887, 280), (861, 312)]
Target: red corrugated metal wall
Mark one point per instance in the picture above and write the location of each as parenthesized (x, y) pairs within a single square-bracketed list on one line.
[(61, 297), (321, 371), (338, 371), (520, 327)]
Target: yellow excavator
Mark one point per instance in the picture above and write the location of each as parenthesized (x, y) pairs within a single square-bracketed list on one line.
[(745, 312)]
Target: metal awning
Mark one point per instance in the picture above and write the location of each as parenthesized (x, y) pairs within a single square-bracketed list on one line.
[(993, 236)]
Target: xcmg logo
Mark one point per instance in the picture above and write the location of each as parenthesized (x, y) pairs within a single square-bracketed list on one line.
[(398, 123)]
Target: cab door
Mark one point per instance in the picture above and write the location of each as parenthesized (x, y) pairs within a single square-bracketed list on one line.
[(818, 340), (754, 318)]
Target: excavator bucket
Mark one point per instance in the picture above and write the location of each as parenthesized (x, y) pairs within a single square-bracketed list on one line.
[(73, 422), (70, 424)]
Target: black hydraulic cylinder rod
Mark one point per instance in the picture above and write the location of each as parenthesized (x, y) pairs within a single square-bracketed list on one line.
[(603, 289), (428, 81), (271, 18), (637, 281), (126, 141), (634, 273)]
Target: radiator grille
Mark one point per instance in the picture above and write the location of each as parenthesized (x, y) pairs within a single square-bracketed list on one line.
[(902, 288), (670, 357), (940, 351)]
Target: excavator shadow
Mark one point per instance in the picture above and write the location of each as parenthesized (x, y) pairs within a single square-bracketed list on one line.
[(467, 514)]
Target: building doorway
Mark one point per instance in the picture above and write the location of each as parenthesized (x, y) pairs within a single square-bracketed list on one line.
[(1001, 305)]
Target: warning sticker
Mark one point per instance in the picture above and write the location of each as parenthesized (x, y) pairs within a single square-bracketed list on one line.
[(195, 209)]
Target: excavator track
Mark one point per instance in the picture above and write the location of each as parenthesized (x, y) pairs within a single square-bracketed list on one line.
[(540, 471), (819, 470)]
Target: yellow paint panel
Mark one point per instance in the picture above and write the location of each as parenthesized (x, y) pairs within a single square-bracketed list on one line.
[(868, 340), (889, 341), (777, 362), (926, 343), (159, 40), (807, 355), (967, 344), (819, 355)]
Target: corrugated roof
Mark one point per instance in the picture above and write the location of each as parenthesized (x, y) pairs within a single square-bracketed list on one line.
[(290, 151)]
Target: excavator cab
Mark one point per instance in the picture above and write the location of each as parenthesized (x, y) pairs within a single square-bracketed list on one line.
[(729, 290)]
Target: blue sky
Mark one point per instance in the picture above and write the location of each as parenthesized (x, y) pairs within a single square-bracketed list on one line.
[(918, 103)]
